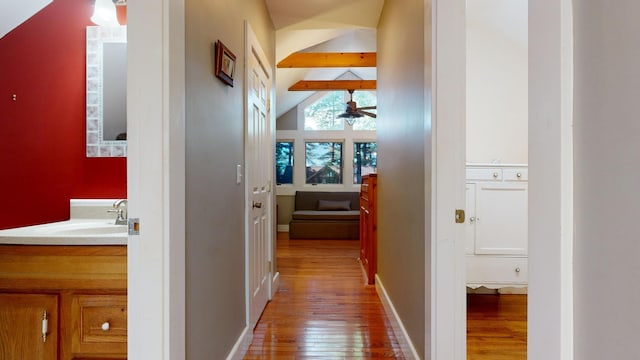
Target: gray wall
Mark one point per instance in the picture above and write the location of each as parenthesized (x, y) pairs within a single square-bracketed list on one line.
[(215, 145), (606, 291), (286, 205), (288, 120), (403, 176)]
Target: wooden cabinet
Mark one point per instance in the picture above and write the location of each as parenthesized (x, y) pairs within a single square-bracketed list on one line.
[(83, 290), (368, 226), (496, 226), (22, 333)]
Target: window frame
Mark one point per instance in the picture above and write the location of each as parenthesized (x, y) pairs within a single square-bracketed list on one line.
[(342, 162), (293, 142)]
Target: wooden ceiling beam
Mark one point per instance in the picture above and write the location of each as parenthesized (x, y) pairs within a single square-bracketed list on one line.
[(322, 85), (342, 59)]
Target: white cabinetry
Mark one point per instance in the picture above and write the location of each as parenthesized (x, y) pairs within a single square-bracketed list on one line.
[(496, 225)]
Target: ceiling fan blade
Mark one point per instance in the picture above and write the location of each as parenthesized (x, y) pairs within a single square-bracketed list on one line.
[(367, 113), (367, 108)]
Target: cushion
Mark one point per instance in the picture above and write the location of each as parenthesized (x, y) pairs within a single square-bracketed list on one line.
[(334, 205), (351, 215)]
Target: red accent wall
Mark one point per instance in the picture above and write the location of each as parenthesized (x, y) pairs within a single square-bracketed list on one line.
[(42, 132)]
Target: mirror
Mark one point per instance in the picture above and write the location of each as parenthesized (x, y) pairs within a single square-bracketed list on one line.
[(106, 91)]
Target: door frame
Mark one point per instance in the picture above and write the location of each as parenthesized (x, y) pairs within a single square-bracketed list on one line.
[(445, 37), (252, 44), (155, 179), (159, 156), (550, 305)]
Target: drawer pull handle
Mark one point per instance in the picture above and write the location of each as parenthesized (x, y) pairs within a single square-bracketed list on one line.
[(45, 326), (517, 269), (519, 175), (495, 174), (472, 219), (105, 326)]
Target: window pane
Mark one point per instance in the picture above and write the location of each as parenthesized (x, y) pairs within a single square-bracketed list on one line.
[(284, 162), (365, 160), (323, 114), (323, 162), (365, 98)]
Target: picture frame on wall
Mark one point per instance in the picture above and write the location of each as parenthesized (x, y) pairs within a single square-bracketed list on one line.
[(225, 63)]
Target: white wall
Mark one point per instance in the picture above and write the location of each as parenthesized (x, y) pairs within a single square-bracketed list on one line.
[(607, 130), (497, 50)]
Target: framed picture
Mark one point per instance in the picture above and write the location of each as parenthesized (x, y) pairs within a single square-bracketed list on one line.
[(225, 63)]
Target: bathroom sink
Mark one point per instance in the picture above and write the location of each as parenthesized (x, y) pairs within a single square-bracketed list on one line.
[(83, 228)]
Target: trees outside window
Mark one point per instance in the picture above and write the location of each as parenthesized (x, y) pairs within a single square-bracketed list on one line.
[(323, 162), (284, 162), (365, 160)]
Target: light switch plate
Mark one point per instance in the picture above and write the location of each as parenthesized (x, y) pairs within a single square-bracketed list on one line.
[(238, 174)]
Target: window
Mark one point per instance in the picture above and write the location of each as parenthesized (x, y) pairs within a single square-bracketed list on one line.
[(365, 160), (323, 162), (323, 114), (284, 162)]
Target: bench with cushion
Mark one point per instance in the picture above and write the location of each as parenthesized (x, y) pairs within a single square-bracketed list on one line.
[(325, 215)]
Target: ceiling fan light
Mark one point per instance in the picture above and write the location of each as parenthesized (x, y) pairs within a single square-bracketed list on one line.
[(350, 115)]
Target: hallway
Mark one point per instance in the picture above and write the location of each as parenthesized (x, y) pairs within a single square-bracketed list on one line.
[(322, 310)]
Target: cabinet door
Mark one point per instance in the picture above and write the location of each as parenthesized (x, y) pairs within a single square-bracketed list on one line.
[(501, 218), (470, 222), (21, 326)]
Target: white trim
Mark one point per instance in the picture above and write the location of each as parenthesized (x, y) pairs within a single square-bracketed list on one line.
[(550, 300), (408, 349), (445, 43), (242, 345), (155, 179), (283, 227)]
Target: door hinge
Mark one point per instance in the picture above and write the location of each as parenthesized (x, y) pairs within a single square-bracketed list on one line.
[(269, 266), (459, 216)]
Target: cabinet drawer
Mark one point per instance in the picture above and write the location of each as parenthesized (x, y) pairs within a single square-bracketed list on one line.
[(484, 174), (99, 324), (517, 174), (495, 271)]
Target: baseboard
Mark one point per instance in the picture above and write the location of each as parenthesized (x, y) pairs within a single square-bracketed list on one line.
[(242, 345), (283, 227), (408, 349)]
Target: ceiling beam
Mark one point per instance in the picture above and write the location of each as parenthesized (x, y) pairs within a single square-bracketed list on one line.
[(342, 59), (320, 85)]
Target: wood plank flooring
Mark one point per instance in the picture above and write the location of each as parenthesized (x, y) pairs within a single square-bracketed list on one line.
[(323, 310), (496, 327)]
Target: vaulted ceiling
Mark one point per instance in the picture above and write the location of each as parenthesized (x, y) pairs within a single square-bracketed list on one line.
[(14, 13), (321, 26)]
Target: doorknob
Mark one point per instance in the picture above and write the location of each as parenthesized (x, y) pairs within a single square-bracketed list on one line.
[(257, 205)]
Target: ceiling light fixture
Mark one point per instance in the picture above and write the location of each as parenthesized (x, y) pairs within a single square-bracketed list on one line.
[(104, 12)]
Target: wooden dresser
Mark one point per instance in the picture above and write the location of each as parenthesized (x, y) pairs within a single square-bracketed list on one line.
[(368, 226)]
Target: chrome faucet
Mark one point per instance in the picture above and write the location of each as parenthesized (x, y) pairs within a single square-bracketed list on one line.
[(120, 208)]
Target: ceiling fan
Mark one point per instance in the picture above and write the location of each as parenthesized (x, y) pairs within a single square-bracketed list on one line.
[(353, 111)]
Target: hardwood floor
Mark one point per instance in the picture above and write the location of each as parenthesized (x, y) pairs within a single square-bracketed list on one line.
[(323, 310), (496, 327)]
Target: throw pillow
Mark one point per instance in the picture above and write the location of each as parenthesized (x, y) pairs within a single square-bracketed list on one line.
[(327, 205)]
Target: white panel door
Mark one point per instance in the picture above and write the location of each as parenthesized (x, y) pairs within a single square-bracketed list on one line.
[(258, 166), (501, 218)]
